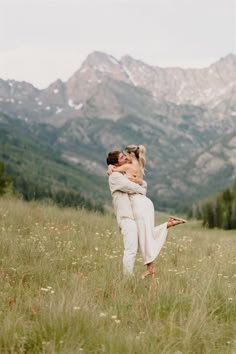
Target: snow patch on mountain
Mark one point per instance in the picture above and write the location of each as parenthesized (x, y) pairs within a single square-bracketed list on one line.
[(130, 76), (113, 60), (72, 105), (59, 110)]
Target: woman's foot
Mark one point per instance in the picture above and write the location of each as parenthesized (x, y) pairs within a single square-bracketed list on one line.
[(150, 272), (174, 220)]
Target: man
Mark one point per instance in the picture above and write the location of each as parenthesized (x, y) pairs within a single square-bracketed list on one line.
[(121, 187)]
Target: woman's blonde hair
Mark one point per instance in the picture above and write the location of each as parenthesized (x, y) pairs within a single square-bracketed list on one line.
[(139, 151)]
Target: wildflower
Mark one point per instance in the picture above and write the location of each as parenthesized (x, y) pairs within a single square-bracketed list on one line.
[(76, 308), (103, 314), (114, 317), (44, 289)]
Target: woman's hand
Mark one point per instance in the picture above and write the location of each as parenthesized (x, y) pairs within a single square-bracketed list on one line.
[(110, 169)]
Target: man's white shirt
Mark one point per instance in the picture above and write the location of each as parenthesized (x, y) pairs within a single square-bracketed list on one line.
[(121, 187)]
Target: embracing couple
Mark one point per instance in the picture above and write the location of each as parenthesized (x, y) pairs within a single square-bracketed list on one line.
[(134, 211)]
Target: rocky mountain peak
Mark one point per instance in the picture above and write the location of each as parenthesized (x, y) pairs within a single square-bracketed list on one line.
[(225, 67), (128, 59), (102, 80), (56, 95), (97, 68), (98, 64), (96, 58), (56, 87), (228, 59), (57, 83)]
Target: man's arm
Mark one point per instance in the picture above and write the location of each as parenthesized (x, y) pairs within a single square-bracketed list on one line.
[(119, 182)]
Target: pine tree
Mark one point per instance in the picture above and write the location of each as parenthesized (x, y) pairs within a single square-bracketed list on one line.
[(5, 181), (233, 215), (208, 215), (219, 211)]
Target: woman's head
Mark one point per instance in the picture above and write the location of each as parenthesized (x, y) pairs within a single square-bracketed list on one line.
[(137, 151)]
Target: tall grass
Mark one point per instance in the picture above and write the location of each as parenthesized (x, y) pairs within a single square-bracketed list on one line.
[(62, 289)]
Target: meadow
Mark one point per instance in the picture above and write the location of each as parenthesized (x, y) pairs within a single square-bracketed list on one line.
[(62, 289)]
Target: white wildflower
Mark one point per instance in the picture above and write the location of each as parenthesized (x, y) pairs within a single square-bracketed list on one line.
[(44, 289), (103, 314), (76, 308)]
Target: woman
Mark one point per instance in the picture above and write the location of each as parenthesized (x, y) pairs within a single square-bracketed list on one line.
[(151, 238)]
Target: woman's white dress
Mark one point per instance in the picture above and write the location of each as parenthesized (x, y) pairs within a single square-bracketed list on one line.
[(151, 238)]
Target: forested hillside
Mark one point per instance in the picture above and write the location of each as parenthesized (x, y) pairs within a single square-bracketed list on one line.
[(38, 172)]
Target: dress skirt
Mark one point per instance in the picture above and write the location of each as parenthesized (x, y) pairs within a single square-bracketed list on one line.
[(151, 239)]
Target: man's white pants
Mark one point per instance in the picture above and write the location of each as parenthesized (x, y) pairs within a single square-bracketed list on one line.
[(130, 236)]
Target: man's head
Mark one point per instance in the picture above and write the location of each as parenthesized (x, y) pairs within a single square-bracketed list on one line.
[(116, 158)]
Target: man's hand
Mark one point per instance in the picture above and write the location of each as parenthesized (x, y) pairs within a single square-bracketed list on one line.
[(136, 179)]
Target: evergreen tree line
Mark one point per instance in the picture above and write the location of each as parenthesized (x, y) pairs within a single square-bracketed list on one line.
[(34, 191), (5, 181), (220, 211)]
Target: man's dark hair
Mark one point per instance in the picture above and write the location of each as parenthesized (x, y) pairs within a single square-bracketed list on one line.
[(112, 157)]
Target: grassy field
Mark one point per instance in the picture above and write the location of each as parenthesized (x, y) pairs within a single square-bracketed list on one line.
[(62, 289)]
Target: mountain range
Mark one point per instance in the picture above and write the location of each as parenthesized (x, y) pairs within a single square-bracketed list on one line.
[(186, 118)]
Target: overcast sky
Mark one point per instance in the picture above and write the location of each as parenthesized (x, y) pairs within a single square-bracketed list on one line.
[(43, 40)]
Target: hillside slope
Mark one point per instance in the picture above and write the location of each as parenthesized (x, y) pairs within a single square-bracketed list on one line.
[(37, 168)]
